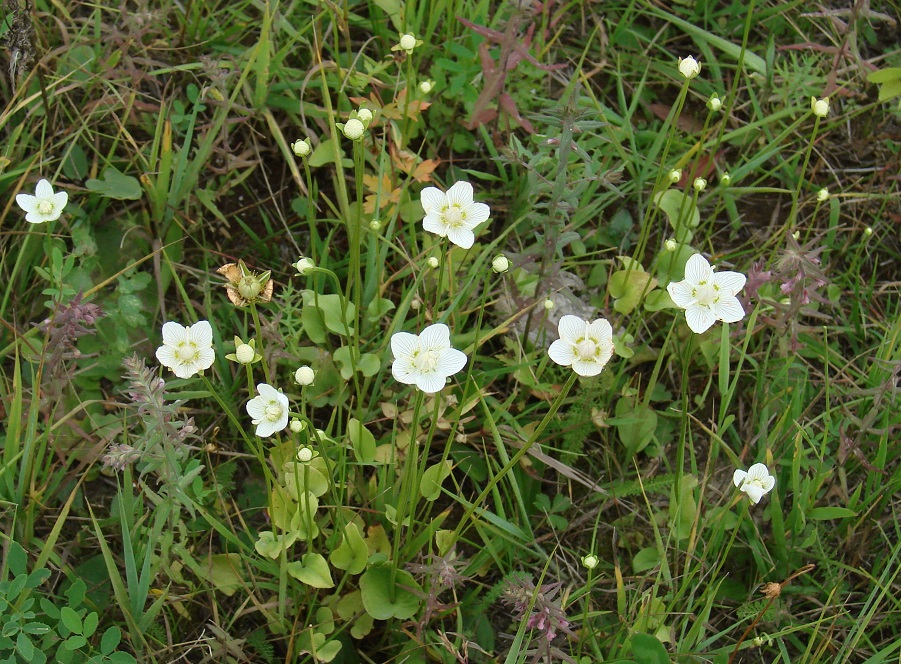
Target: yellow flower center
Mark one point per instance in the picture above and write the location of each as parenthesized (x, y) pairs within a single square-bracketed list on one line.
[(454, 217), (273, 411), (587, 350), (187, 351), (706, 294), (426, 361)]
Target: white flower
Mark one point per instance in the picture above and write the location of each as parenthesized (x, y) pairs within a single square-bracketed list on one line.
[(353, 129), (426, 86), (707, 296), (364, 115), (700, 184), (689, 67), (297, 425), (453, 214), (44, 205), (304, 375), (304, 265), (500, 264), (426, 360), (823, 195), (584, 346), (408, 42), (590, 561), (187, 350), (301, 147), (756, 482), (269, 410), (820, 107), (305, 455)]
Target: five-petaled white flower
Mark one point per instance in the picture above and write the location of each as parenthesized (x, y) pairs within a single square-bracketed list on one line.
[(187, 350), (44, 205), (584, 346), (425, 360), (453, 214), (756, 482), (707, 296), (269, 410)]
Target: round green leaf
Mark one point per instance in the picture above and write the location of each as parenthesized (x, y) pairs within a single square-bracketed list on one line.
[(433, 478), (377, 590)]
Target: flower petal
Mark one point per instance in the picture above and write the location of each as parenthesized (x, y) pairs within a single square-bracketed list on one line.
[(266, 428), (730, 282), (729, 310), (403, 371), (404, 344), (435, 337), (758, 471), (562, 352), (587, 368), (461, 236), (60, 200), (201, 333), (27, 202), (571, 328), (173, 333), (166, 356), (600, 331), (450, 362), (755, 493), (699, 319), (433, 200), (698, 270), (256, 408), (738, 477), (460, 193), (476, 214), (681, 294), (44, 189), (431, 382), (433, 222)]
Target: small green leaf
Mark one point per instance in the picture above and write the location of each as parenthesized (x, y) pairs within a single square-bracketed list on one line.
[(635, 424), (680, 211), (110, 640), (647, 558), (71, 620), (353, 553), (225, 572), (369, 365), (25, 646), (312, 570), (826, 513), (433, 478), (115, 184), (647, 649), (90, 624), (362, 440), (628, 286), (75, 642), (377, 308)]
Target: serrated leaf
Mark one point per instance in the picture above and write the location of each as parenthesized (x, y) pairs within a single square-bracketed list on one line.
[(117, 185)]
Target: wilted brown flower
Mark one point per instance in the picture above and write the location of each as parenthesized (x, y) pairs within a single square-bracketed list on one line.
[(245, 286)]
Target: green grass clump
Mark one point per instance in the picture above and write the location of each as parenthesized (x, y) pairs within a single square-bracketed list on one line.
[(226, 433)]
